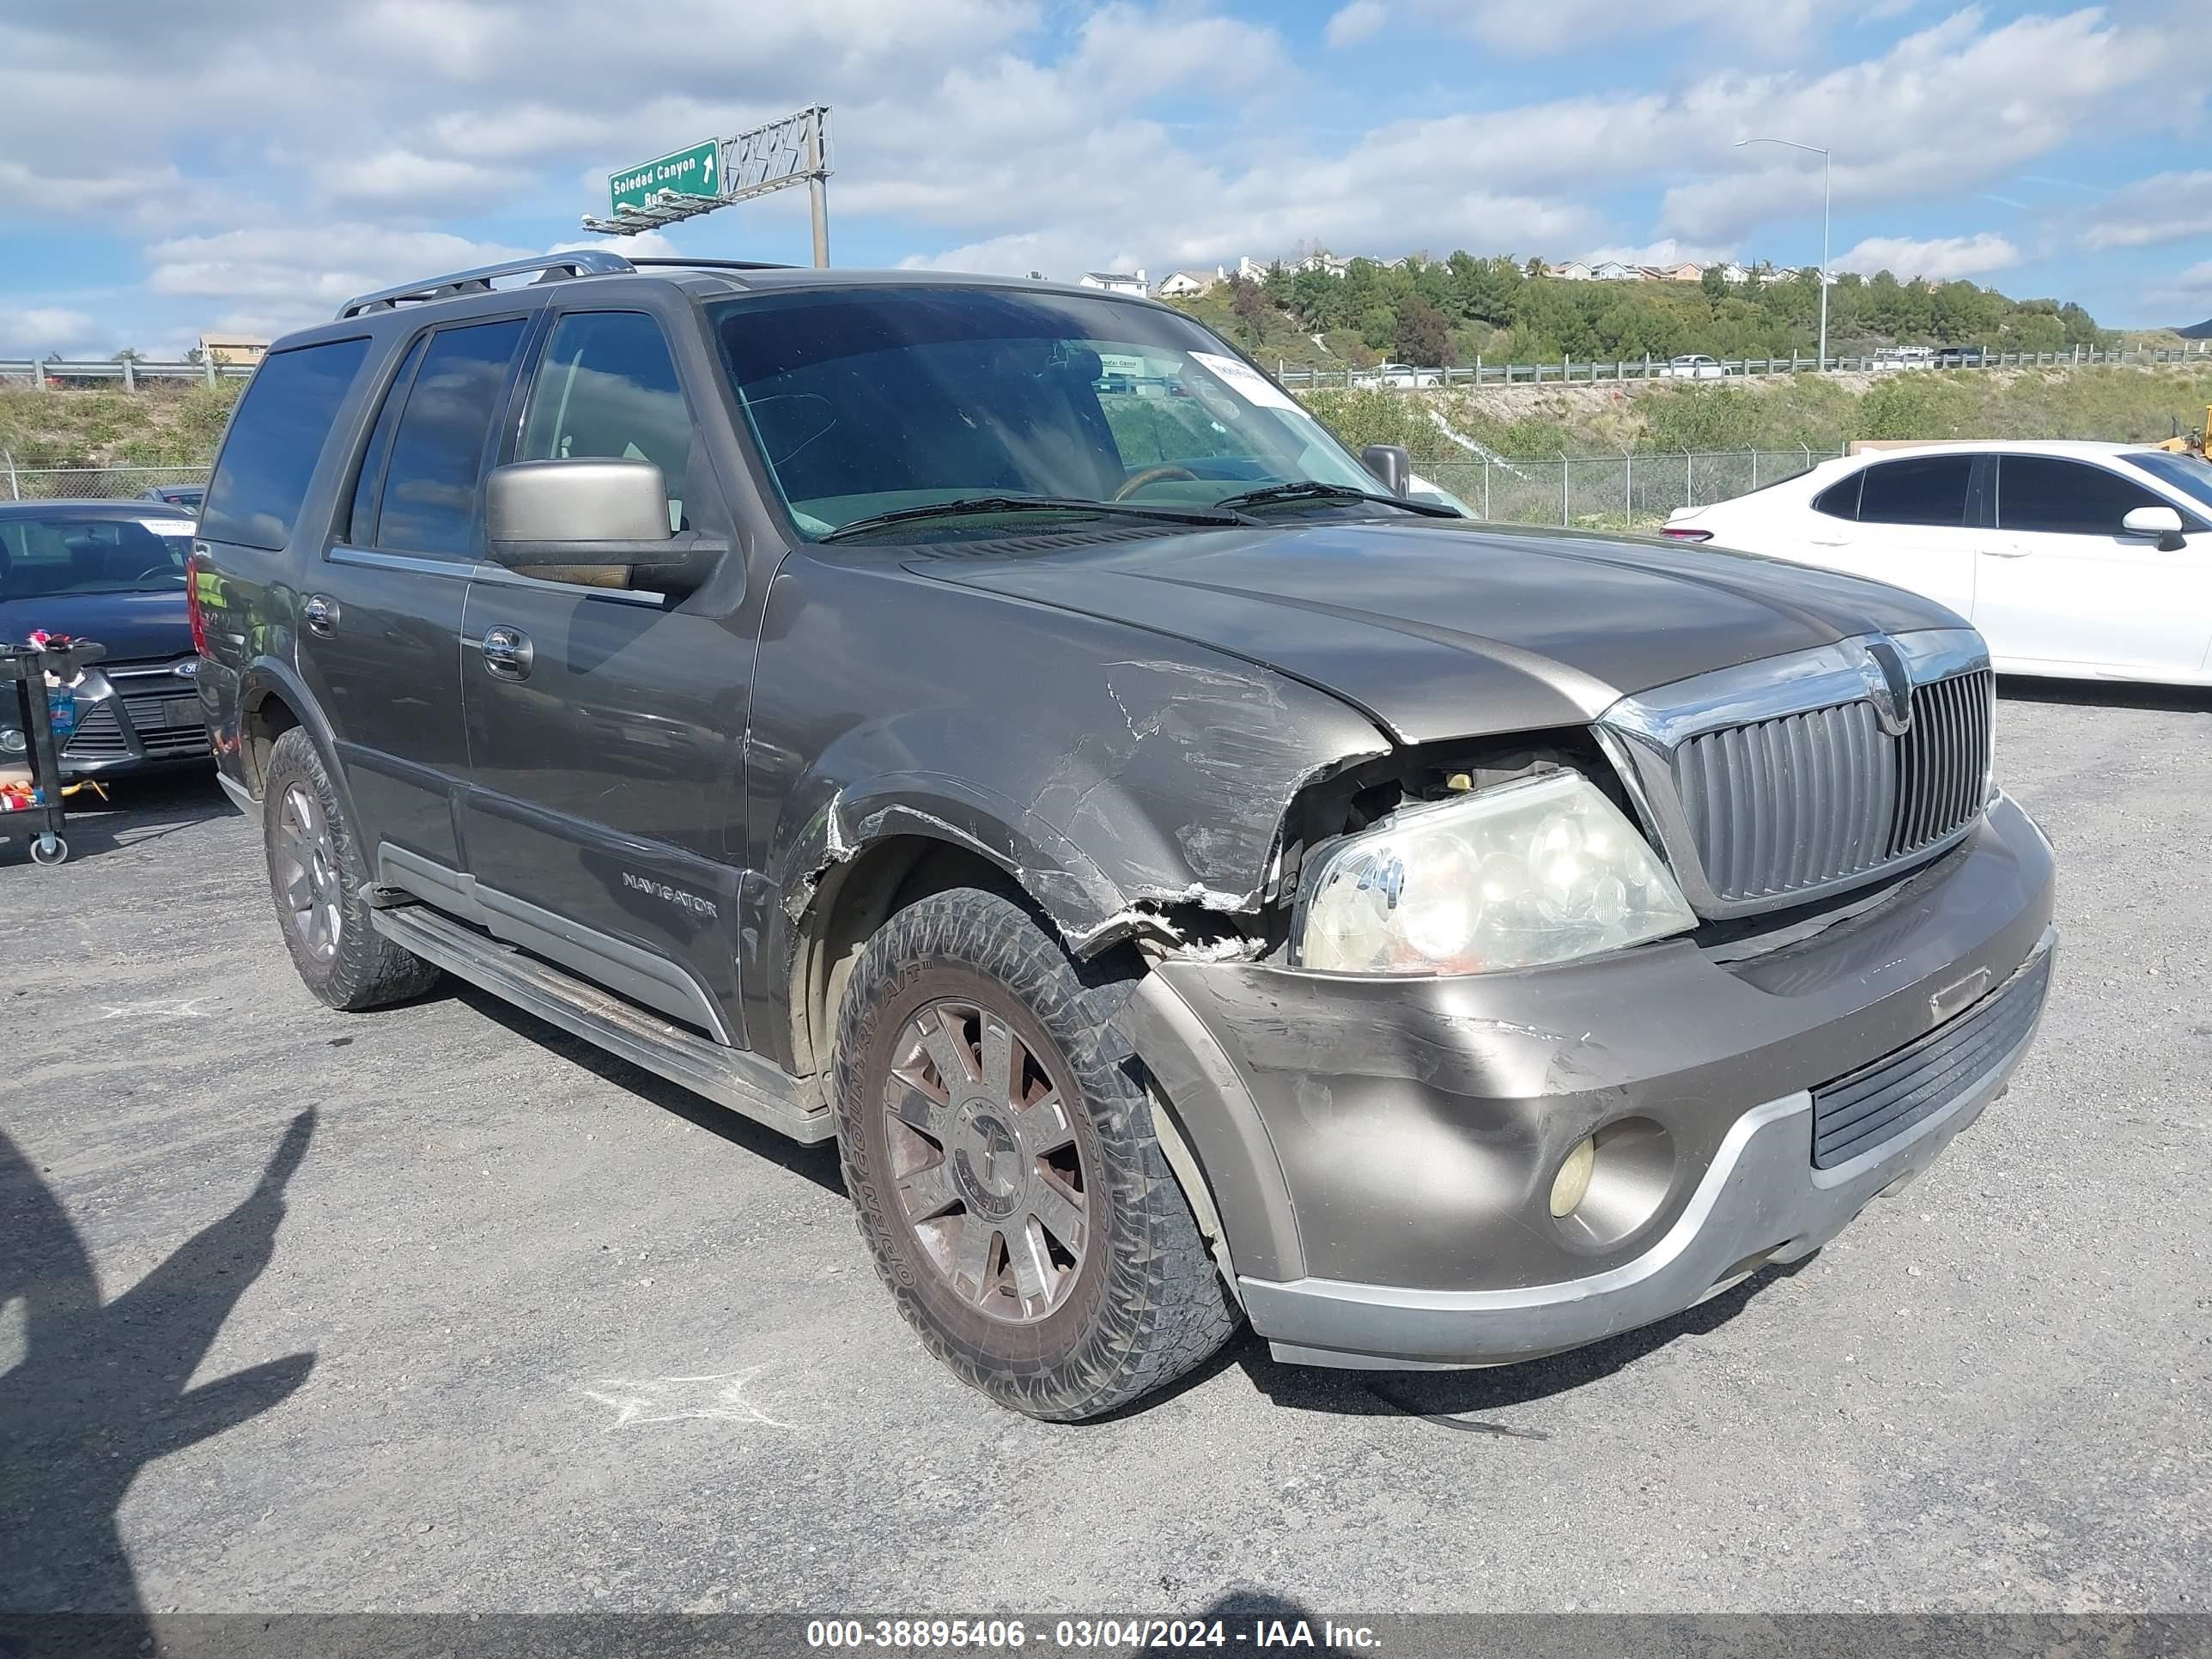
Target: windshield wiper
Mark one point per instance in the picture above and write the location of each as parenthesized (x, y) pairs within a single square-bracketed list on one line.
[(1312, 489), (1032, 504)]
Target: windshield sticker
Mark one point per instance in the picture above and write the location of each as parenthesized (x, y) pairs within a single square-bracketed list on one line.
[(168, 526), (1248, 383)]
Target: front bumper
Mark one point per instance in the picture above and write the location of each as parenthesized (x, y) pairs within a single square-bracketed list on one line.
[(1377, 1156), (134, 717)]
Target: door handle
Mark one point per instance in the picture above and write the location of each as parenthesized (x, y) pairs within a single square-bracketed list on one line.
[(2004, 552), (321, 612), (507, 653)]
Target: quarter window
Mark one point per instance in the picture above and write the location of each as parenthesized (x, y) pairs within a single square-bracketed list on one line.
[(276, 436), (607, 389), (1840, 500), (1929, 489), (428, 503), (2066, 498)]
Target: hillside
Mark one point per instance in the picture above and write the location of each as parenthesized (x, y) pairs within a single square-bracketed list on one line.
[(1822, 412), (1451, 311), (162, 424)]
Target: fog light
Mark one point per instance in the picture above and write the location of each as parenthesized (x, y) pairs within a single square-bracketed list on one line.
[(11, 741), (1571, 1185)]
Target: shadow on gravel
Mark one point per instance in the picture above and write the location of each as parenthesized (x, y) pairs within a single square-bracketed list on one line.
[(2106, 694), (98, 1391), (1458, 1402), (817, 1163), (137, 810)]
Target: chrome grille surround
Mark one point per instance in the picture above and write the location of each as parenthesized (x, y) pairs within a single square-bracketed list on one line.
[(1779, 782)]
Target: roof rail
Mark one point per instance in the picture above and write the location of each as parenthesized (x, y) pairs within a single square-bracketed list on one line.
[(588, 262), (712, 264)]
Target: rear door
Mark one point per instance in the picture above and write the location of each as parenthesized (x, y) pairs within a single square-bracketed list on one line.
[(604, 823), (1917, 526), (2062, 587), (379, 636)]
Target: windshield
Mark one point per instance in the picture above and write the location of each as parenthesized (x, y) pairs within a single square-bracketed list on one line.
[(65, 553), (2187, 473), (867, 401)]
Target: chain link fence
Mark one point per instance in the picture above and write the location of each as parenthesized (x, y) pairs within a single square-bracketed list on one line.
[(1631, 490), (94, 484)]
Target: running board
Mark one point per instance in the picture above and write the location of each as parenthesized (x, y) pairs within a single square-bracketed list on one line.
[(729, 1077)]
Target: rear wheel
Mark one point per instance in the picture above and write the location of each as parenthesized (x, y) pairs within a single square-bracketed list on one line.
[(319, 883), (1007, 1178)]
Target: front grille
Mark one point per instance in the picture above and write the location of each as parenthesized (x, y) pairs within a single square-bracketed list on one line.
[(100, 736), (1867, 1108), (1792, 803)]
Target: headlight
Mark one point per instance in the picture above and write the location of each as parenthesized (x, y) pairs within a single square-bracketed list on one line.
[(1543, 870)]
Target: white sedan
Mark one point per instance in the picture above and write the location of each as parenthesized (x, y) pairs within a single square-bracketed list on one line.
[(1695, 367), (2080, 561)]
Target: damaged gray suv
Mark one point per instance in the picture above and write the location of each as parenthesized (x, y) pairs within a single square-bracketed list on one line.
[(1194, 881)]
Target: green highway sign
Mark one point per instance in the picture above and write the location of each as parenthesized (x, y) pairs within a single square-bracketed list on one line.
[(693, 171)]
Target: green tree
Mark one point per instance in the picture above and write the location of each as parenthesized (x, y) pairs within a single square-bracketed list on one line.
[(1424, 337), (1715, 284)]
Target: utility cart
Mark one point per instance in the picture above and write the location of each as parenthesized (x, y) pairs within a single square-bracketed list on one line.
[(37, 815)]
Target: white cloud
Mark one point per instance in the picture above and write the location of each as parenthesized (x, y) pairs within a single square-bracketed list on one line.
[(1356, 22), (401, 176), (1940, 259), (299, 274), (41, 329), (1539, 26), (1664, 252), (2170, 207)]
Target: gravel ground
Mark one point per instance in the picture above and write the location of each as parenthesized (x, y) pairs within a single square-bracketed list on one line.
[(436, 1309)]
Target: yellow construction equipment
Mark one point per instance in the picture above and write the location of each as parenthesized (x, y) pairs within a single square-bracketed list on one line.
[(2188, 443)]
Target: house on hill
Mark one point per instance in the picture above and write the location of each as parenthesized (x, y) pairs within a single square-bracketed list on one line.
[(1574, 271), (1114, 281), (1181, 284), (1611, 270)]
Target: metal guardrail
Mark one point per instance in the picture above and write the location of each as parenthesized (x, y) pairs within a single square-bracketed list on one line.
[(1402, 377), (129, 372)]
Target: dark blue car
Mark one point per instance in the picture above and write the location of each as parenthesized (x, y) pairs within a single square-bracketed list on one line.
[(113, 572)]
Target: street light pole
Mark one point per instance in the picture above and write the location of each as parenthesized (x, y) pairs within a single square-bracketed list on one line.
[(1827, 196)]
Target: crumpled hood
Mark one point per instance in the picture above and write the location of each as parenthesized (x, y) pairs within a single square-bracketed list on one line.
[(1437, 630)]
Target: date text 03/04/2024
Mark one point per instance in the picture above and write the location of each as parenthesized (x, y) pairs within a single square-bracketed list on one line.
[(1261, 1634)]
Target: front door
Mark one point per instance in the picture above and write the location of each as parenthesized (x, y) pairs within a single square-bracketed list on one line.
[(606, 727), (381, 620), (2062, 589)]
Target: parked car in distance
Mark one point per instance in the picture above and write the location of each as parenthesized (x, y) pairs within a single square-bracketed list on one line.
[(1959, 356), (1692, 368), (1898, 357), (188, 495), (1399, 377), (112, 572), (1192, 881), (2075, 560)]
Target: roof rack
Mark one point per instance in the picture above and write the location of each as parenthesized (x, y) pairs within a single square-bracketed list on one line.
[(555, 267)]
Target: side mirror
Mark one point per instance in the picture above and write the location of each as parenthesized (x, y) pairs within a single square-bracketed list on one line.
[(596, 523), (2163, 522), (1390, 463)]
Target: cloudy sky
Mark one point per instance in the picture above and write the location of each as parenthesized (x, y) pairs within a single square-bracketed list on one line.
[(172, 167)]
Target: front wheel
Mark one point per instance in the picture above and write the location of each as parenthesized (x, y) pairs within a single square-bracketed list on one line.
[(320, 887), (1007, 1178)]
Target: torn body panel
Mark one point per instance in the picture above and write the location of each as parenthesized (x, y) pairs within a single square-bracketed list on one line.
[(1133, 792)]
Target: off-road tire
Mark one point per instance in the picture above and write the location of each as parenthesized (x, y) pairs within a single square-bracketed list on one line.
[(1147, 1303), (366, 971)]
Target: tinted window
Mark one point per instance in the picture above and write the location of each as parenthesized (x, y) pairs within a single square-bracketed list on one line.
[(2040, 492), (360, 528), (2186, 473), (1840, 500), (67, 553), (1928, 489), (279, 430), (430, 483), (607, 388)]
